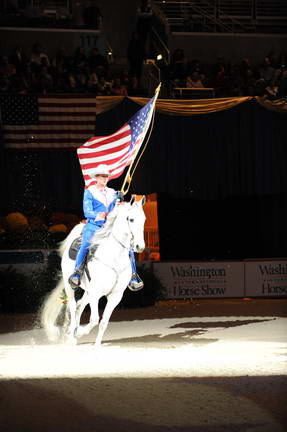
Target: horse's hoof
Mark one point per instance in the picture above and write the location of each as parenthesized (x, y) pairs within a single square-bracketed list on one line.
[(98, 346), (81, 331), (70, 340)]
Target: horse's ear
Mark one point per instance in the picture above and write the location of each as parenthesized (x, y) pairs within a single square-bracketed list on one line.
[(133, 198), (143, 200)]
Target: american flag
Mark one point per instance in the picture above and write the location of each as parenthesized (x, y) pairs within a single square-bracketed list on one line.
[(119, 149), (61, 121)]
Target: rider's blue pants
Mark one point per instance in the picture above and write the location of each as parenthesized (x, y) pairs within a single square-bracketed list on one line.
[(88, 232), (133, 261)]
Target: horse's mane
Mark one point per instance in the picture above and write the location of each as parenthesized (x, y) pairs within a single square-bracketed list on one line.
[(98, 237), (103, 233)]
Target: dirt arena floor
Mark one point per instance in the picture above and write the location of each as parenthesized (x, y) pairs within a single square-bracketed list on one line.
[(179, 366)]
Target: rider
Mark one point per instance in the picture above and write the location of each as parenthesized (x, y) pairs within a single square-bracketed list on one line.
[(98, 201)]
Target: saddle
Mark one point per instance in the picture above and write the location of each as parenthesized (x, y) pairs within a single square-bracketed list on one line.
[(75, 246)]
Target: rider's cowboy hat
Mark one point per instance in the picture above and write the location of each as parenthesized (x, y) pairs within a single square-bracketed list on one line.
[(100, 169)]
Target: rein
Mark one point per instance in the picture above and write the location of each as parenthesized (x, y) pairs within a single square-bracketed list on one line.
[(120, 242)]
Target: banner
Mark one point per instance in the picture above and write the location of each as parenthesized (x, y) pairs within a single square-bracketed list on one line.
[(266, 278), (200, 279)]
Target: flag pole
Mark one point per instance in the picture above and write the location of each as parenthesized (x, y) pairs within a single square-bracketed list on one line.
[(128, 177)]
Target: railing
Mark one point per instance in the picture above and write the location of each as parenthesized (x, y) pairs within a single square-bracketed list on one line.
[(193, 92), (151, 239), (226, 16)]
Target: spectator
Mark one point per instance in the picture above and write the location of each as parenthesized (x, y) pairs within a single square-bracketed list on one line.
[(219, 81), (136, 55), (6, 85), (104, 87), (7, 68), (134, 89), (37, 54), (248, 83), (266, 71), (78, 13), (98, 62), (61, 62), (45, 80), (144, 17), (92, 83), (19, 59), (79, 60), (118, 89), (92, 15), (178, 65), (194, 81), (282, 89), (125, 78)]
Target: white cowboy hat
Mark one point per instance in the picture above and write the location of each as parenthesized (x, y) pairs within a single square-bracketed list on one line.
[(100, 169)]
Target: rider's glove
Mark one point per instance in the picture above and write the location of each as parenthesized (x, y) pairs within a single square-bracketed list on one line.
[(120, 196)]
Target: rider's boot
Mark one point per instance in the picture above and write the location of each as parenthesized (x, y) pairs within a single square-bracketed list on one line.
[(75, 278), (136, 283)]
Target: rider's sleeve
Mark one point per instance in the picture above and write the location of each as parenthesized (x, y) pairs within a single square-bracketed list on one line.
[(113, 203), (88, 207)]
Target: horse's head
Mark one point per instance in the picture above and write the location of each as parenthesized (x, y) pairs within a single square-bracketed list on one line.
[(129, 225), (136, 220)]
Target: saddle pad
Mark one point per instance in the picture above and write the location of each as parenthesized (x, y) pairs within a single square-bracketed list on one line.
[(75, 246)]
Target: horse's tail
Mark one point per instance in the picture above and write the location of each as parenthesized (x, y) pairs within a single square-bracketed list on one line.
[(76, 231), (51, 310)]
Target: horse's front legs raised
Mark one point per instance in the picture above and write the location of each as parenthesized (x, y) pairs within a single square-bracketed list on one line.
[(113, 300)]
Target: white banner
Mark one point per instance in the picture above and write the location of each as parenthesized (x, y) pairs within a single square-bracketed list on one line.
[(266, 278), (201, 279)]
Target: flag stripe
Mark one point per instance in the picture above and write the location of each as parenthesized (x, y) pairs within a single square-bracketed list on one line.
[(39, 141), (117, 150), (57, 122)]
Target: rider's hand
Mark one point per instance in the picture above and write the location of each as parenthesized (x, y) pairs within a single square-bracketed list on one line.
[(120, 196)]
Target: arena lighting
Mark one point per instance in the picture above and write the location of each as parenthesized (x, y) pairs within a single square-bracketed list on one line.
[(153, 348)]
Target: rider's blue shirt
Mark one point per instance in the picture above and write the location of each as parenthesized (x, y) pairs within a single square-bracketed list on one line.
[(97, 204)]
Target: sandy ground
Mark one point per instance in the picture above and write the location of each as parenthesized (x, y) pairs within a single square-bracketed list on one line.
[(198, 366)]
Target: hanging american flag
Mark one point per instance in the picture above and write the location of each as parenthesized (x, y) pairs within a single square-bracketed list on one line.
[(61, 121), (119, 149)]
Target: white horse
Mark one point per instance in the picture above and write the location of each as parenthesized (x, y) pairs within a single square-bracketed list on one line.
[(109, 273)]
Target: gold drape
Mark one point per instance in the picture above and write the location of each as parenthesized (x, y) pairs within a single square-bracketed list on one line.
[(105, 103), (279, 105), (193, 106), (187, 107)]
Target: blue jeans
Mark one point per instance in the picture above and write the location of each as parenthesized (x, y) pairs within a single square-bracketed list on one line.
[(88, 232), (133, 261)]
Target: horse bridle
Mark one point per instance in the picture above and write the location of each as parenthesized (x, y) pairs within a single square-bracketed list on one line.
[(132, 237)]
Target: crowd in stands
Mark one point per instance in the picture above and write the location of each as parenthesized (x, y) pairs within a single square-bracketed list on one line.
[(231, 79), (40, 73)]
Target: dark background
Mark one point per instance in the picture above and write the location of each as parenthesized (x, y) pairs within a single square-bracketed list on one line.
[(220, 178)]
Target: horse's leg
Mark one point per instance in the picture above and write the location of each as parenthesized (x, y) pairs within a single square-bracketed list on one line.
[(81, 304), (94, 317), (71, 328), (113, 300)]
